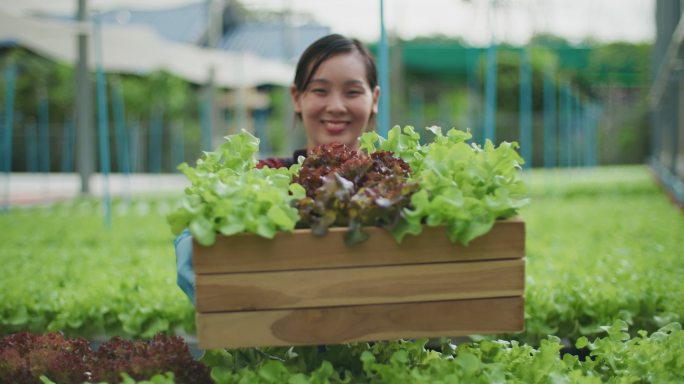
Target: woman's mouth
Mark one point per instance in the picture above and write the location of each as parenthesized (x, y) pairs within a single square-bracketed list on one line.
[(334, 127)]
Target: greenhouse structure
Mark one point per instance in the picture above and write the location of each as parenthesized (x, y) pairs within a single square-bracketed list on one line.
[(233, 191)]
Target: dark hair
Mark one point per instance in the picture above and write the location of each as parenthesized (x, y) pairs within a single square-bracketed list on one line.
[(326, 47)]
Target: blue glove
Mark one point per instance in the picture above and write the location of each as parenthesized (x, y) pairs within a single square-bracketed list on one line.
[(185, 277)]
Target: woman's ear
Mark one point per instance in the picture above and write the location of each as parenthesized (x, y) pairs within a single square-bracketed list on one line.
[(295, 99), (376, 98)]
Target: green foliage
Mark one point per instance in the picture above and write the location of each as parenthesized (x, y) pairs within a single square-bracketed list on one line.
[(602, 245), (25, 357), (228, 195), (621, 63), (656, 358), (548, 40), (462, 186), (615, 358), (349, 188), (72, 274), (159, 89), (280, 129)]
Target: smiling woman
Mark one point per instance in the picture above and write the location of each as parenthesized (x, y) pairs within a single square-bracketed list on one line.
[(335, 93)]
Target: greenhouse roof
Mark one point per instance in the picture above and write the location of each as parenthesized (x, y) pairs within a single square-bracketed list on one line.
[(273, 40), (139, 49)]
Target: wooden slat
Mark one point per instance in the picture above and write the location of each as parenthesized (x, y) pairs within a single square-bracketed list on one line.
[(301, 250), (336, 325), (357, 286)]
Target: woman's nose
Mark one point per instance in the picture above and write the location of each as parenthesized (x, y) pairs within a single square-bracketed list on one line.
[(336, 102)]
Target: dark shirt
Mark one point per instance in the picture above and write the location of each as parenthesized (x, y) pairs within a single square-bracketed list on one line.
[(279, 162)]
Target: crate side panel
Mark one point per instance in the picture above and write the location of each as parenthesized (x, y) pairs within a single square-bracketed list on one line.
[(358, 286), (336, 325), (301, 250)]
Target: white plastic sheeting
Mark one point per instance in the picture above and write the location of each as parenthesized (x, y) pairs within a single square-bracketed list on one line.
[(140, 50)]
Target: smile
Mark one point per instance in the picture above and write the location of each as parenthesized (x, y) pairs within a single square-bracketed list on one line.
[(334, 126)]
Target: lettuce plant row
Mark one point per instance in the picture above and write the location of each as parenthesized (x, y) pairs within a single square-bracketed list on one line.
[(602, 245), (614, 357), (64, 270)]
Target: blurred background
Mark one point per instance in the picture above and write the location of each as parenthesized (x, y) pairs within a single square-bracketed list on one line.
[(111, 95)]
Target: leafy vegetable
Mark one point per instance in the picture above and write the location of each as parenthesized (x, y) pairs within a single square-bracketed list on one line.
[(25, 357), (76, 276), (462, 186), (398, 184), (229, 195), (346, 188), (615, 358)]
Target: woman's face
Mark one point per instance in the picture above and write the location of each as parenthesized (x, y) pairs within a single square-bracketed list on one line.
[(338, 102)]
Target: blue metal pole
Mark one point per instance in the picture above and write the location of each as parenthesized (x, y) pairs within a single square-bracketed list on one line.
[(587, 118), (260, 119), (205, 121), (417, 109), (383, 72), (177, 146), (44, 132), (118, 106), (550, 120), (31, 147), (471, 65), (526, 108), (586, 121), (103, 121), (674, 145), (657, 124), (596, 111), (155, 139), (572, 125), (490, 95), (563, 125), (592, 113), (579, 129), (10, 78), (445, 112), (68, 146), (134, 147), (570, 128)]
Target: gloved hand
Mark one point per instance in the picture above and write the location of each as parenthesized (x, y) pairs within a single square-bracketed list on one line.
[(185, 277)]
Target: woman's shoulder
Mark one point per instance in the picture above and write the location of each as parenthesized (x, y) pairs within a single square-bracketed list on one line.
[(279, 162)]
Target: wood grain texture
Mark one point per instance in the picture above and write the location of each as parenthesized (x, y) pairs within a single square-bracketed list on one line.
[(357, 286), (334, 325), (301, 250)]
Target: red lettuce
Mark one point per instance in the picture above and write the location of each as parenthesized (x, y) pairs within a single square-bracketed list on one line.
[(348, 188)]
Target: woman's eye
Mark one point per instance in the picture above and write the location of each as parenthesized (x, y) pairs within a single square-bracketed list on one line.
[(319, 91), (354, 92)]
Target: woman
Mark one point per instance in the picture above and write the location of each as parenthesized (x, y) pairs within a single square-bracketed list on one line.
[(335, 96)]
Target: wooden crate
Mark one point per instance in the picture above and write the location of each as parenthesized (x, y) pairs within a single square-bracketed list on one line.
[(298, 289)]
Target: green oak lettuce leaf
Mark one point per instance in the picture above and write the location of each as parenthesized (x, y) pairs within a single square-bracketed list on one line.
[(463, 186), (228, 195), (405, 144)]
